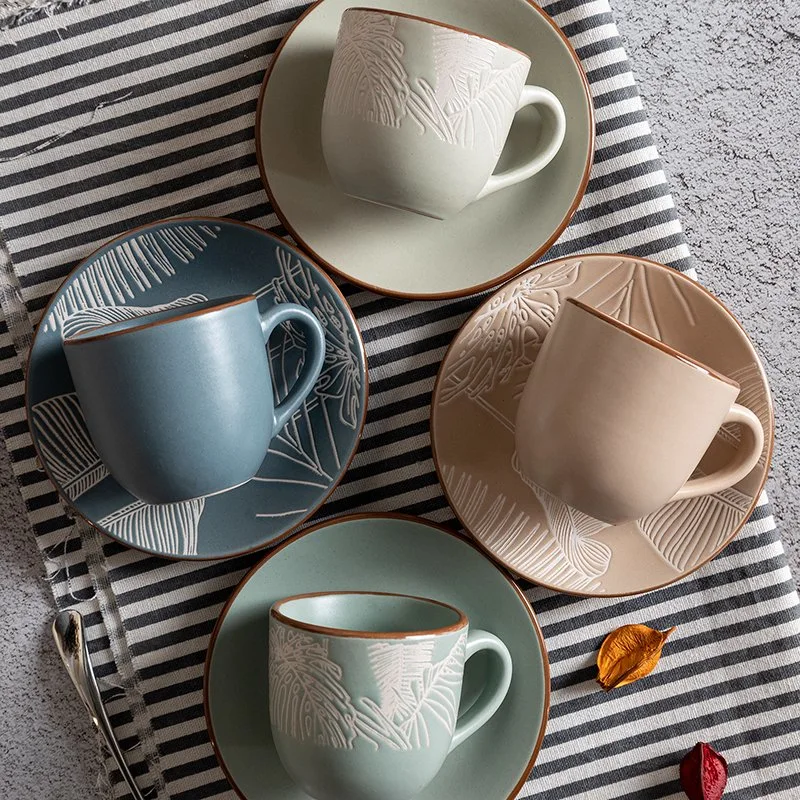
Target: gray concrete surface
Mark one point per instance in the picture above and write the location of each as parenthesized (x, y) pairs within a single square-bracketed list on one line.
[(47, 748), (721, 83)]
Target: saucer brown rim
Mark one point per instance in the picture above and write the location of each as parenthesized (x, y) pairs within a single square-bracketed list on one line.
[(353, 633), (515, 569), (67, 503), (643, 337), (83, 338), (429, 21), (351, 518), (465, 291)]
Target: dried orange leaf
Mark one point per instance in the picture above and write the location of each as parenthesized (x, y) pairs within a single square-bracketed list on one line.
[(629, 653)]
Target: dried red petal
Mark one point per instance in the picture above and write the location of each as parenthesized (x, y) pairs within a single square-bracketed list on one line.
[(704, 773)]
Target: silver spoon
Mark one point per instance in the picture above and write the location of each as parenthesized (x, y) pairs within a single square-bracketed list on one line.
[(74, 652)]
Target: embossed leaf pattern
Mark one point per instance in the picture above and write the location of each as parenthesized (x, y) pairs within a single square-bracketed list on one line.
[(307, 700), (436, 698), (167, 528), (89, 318), (64, 440), (483, 107), (131, 268), (687, 531), (490, 360), (470, 99), (367, 78), (397, 668), (340, 379), (459, 59), (465, 102), (506, 335)]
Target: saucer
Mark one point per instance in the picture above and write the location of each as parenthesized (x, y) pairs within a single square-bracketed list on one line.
[(389, 553), (474, 408), (180, 262), (400, 253)]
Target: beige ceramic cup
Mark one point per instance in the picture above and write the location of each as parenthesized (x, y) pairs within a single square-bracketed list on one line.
[(614, 423)]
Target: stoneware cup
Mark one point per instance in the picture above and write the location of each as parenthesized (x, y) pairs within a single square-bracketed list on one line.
[(179, 403), (416, 113), (364, 691), (614, 423)]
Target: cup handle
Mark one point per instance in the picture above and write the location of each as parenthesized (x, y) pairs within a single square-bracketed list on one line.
[(743, 461), (314, 358), (493, 693), (545, 151)]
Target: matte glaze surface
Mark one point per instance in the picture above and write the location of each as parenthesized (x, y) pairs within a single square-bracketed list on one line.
[(416, 114), (628, 439), (180, 403), (408, 254), (474, 409), (179, 263), (390, 554), (365, 689)]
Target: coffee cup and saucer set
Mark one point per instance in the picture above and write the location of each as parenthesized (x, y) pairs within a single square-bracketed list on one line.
[(601, 425)]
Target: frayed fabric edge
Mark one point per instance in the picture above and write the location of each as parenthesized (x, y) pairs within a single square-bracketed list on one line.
[(14, 13)]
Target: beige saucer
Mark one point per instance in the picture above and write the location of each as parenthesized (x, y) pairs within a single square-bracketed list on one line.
[(472, 429)]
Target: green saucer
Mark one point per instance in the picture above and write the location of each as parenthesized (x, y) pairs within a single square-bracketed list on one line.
[(389, 553)]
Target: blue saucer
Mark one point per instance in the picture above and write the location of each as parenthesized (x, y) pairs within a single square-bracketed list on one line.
[(179, 262)]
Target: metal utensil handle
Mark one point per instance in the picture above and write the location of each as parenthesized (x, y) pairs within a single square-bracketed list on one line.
[(74, 651)]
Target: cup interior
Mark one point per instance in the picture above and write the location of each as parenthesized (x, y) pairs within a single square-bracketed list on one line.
[(368, 615), (157, 318)]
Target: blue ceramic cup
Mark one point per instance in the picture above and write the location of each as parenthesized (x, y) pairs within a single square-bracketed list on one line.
[(365, 688), (179, 403)]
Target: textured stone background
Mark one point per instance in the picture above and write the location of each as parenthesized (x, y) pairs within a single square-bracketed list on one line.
[(721, 86), (721, 82)]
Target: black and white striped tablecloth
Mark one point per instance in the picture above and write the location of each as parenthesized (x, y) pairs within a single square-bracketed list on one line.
[(118, 112)]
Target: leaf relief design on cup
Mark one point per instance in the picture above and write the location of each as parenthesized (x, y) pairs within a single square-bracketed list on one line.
[(309, 702), (470, 99), (367, 77), (467, 100)]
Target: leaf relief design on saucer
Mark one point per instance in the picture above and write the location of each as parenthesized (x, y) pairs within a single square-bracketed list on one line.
[(532, 532), (100, 294), (309, 702)]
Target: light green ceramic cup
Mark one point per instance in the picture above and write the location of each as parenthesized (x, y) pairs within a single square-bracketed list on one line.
[(417, 112), (364, 691)]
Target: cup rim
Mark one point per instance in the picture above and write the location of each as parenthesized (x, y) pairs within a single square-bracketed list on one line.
[(665, 348), (417, 18), (96, 334), (347, 633)]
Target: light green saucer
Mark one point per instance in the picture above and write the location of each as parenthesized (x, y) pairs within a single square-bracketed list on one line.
[(408, 255), (388, 553)]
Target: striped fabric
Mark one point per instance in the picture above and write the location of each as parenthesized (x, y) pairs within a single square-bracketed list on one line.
[(119, 112)]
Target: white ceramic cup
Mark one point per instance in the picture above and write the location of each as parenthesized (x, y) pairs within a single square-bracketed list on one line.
[(614, 423), (416, 113)]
